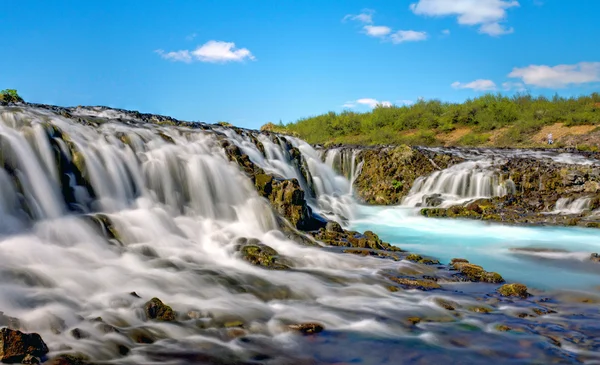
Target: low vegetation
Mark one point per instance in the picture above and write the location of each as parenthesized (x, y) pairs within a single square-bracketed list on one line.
[(492, 120), (10, 96)]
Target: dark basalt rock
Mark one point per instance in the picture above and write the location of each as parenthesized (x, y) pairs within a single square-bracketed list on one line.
[(16, 346), (155, 309)]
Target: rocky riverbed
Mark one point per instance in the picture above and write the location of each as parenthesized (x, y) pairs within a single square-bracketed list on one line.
[(139, 239)]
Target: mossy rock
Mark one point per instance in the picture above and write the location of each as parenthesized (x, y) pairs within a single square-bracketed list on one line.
[(69, 359), (155, 309), (259, 254), (513, 290), (419, 259), (307, 328), (477, 273), (413, 283), (446, 304)]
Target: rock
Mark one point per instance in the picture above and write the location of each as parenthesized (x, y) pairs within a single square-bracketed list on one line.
[(480, 310), (388, 173), (513, 290), (15, 346), (433, 200), (413, 283), (419, 259), (259, 254), (476, 273), (353, 239), (79, 333), (595, 257), (332, 226), (307, 328), (446, 304), (69, 359), (134, 294), (457, 260), (157, 310)]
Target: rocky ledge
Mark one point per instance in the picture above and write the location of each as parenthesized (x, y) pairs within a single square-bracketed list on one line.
[(544, 189)]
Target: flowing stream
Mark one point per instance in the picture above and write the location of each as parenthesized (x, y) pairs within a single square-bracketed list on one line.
[(95, 209)]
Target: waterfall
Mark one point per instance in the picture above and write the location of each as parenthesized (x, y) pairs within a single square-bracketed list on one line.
[(344, 162), (459, 183), (571, 205), (95, 204), (327, 192)]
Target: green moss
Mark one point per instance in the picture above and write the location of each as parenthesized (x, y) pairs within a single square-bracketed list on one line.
[(421, 284), (513, 290), (262, 255), (157, 310), (477, 273)]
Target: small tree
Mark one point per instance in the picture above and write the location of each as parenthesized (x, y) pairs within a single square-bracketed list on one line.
[(10, 95)]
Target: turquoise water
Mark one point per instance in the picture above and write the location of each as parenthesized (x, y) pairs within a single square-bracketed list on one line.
[(492, 246)]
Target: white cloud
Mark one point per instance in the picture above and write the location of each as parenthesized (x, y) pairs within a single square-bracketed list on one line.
[(558, 76), (377, 30), (182, 56), (366, 16), (408, 36), (487, 14), (211, 51), (480, 85), (382, 31), (517, 86), (371, 103), (191, 36), (446, 31), (405, 102)]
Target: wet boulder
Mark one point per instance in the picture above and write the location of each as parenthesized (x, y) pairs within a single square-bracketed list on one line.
[(307, 328), (595, 257), (69, 359), (16, 346), (259, 254), (513, 290), (475, 273), (155, 309)]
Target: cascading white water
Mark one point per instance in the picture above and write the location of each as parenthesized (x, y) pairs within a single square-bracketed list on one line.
[(571, 205), (343, 161), (178, 207), (328, 193), (458, 183)]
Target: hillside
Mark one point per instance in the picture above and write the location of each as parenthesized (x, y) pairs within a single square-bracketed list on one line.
[(490, 120)]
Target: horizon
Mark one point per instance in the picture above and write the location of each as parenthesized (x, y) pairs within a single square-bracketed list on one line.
[(205, 62)]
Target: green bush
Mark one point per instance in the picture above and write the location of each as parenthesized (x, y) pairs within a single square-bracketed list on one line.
[(522, 114), (10, 95), (474, 139)]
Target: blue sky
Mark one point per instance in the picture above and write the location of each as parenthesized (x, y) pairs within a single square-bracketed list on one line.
[(250, 62)]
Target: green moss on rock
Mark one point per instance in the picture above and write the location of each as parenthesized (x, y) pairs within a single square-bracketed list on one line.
[(476, 273), (259, 254), (155, 309), (513, 290)]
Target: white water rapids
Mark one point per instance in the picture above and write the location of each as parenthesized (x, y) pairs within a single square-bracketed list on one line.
[(178, 208)]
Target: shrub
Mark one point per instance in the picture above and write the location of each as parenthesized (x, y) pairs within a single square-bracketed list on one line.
[(10, 96)]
